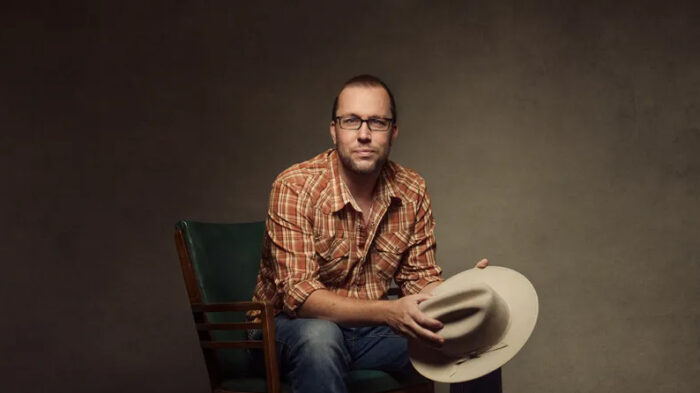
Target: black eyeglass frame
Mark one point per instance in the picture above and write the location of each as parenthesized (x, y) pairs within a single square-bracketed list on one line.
[(390, 120)]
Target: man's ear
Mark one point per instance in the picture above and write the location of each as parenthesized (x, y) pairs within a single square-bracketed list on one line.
[(394, 133), (332, 131)]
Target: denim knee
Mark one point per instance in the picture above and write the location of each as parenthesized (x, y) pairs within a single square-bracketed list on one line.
[(311, 343)]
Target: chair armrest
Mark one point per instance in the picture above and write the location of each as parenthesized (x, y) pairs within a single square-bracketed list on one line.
[(266, 323), (231, 306)]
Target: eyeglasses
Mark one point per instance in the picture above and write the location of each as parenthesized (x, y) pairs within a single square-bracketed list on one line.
[(376, 124)]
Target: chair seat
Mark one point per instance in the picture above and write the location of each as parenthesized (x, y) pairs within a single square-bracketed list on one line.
[(365, 381)]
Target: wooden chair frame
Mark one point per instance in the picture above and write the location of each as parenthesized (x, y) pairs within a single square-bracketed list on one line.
[(267, 325)]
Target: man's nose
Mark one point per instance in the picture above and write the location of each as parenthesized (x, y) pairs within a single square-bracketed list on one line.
[(364, 133)]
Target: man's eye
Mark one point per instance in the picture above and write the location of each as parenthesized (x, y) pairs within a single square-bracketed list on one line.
[(378, 122), (351, 120)]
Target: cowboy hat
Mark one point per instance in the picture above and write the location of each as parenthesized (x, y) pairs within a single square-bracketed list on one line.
[(487, 314)]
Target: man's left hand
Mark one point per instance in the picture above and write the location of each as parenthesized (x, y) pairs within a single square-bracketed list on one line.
[(482, 263)]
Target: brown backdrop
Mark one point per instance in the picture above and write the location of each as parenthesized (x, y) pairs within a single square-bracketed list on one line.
[(558, 139)]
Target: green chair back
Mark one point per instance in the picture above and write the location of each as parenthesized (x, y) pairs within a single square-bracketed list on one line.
[(226, 260)]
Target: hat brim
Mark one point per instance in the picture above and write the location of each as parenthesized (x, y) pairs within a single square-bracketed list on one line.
[(521, 298)]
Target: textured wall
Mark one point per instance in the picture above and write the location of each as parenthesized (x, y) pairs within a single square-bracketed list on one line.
[(559, 139)]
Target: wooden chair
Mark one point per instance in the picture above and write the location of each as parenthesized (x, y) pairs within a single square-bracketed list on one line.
[(220, 264)]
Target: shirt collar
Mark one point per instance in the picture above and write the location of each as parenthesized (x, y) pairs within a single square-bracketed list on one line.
[(386, 186)]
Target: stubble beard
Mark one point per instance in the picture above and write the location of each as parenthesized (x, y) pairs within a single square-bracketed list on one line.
[(350, 165)]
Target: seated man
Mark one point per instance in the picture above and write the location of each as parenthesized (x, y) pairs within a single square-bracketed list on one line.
[(340, 227)]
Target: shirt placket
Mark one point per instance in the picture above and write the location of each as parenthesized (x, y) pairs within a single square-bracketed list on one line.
[(365, 236)]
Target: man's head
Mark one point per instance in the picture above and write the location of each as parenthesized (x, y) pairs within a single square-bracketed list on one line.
[(363, 124), (366, 81)]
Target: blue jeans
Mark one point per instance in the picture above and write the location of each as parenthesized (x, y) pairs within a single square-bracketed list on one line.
[(316, 354)]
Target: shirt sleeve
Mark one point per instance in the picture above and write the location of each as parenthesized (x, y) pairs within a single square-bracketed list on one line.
[(419, 267), (289, 250)]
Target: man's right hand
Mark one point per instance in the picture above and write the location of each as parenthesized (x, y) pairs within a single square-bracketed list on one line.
[(406, 319)]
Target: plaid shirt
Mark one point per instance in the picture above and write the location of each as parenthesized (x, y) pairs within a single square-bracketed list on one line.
[(316, 237)]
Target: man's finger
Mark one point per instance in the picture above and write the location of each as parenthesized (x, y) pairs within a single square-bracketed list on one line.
[(408, 333), (420, 297), (482, 263), (427, 322), (427, 336)]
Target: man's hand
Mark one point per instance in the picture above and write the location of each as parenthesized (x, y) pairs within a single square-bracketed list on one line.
[(406, 319)]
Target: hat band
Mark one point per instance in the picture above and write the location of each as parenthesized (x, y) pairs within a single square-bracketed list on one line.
[(475, 354)]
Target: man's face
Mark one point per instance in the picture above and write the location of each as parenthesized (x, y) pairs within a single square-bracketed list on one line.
[(363, 151)]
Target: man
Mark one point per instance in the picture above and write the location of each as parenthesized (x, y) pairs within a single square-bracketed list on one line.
[(340, 227)]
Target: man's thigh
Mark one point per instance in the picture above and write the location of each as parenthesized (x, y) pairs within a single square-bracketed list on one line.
[(377, 347), (309, 337), (297, 338)]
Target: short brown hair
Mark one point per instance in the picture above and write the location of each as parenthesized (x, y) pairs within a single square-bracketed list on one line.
[(366, 81)]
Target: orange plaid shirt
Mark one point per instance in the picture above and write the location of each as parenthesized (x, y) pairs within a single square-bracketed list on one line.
[(316, 237)]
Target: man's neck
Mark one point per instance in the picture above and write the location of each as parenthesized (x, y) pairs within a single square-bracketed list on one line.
[(361, 186)]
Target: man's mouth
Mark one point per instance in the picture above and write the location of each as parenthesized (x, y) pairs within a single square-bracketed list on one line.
[(364, 152)]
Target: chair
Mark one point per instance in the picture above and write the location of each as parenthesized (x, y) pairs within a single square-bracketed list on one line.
[(220, 264)]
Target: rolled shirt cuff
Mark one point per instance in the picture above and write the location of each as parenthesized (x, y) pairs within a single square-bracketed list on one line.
[(298, 294)]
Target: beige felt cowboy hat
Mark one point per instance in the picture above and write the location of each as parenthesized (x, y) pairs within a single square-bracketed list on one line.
[(487, 314)]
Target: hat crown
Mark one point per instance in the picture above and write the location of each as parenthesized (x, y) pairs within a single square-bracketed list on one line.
[(475, 318)]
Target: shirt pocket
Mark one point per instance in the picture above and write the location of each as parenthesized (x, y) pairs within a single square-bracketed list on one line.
[(332, 256), (389, 248)]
